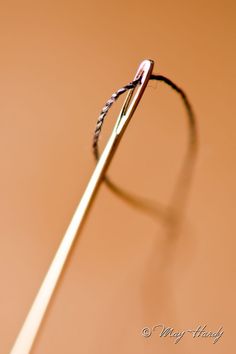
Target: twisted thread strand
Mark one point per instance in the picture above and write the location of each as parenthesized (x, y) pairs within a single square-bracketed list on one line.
[(104, 112)]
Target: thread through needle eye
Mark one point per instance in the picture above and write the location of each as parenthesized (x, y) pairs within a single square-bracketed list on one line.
[(143, 204)]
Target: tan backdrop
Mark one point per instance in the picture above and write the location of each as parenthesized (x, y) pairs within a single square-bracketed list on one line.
[(60, 61)]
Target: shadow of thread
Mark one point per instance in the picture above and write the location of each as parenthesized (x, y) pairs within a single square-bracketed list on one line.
[(156, 287)]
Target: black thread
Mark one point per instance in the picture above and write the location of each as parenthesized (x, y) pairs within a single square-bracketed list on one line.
[(187, 104), (132, 85)]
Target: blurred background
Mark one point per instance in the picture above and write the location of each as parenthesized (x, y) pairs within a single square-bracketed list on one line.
[(130, 268)]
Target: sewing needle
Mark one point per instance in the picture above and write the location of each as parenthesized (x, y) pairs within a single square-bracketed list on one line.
[(30, 328)]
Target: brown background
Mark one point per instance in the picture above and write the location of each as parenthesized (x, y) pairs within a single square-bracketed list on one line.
[(60, 61)]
